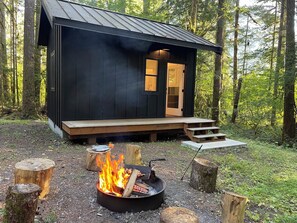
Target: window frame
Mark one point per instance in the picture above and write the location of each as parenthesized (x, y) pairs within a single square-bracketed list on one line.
[(151, 75)]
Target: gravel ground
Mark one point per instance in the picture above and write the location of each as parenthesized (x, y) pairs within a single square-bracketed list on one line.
[(73, 192)]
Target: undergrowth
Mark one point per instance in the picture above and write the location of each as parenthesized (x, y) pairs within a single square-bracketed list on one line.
[(266, 174)]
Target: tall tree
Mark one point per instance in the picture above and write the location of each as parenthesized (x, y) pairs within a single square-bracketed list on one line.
[(146, 7), (3, 55), (37, 68), (279, 63), (235, 52), (193, 16), (218, 63), (289, 125), (28, 66), (240, 80), (13, 51)]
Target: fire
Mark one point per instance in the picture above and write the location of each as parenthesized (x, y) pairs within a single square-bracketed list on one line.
[(113, 177)]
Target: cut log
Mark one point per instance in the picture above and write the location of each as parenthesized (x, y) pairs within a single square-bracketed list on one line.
[(233, 207), (129, 187), (133, 155), (204, 175), (37, 171), (91, 163), (178, 215), (21, 203)]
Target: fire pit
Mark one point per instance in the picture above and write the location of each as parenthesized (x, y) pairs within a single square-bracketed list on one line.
[(129, 188)]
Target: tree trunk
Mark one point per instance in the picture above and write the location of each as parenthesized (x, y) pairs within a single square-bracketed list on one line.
[(233, 208), (237, 95), (36, 170), (193, 16), (28, 66), (272, 46), (279, 64), (122, 6), (289, 125), (3, 62), (13, 14), (218, 63), (235, 47), (204, 175), (37, 68), (146, 7), (1, 55), (21, 203)]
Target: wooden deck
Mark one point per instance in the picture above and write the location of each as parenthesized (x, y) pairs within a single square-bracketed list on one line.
[(96, 128)]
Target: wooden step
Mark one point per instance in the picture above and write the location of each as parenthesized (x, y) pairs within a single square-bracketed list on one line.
[(209, 137), (203, 128)]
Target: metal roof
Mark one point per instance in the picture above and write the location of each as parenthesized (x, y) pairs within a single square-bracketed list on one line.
[(81, 16)]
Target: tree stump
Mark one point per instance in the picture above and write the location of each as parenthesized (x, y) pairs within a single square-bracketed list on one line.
[(233, 207), (21, 203), (91, 163), (37, 171), (178, 215), (204, 175), (133, 155)]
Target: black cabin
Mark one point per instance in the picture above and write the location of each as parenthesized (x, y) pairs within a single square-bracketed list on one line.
[(106, 65)]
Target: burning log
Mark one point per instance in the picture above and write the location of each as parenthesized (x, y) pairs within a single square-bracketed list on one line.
[(204, 175), (37, 171), (233, 206), (133, 155), (21, 203), (129, 187)]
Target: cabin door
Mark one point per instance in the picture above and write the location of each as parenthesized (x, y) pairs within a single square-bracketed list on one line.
[(175, 89)]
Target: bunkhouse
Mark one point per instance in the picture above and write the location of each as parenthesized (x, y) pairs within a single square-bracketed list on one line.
[(110, 73)]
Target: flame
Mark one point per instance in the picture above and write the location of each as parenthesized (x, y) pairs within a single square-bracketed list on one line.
[(113, 177)]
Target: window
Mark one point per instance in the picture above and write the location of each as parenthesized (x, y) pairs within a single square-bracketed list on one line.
[(151, 75)]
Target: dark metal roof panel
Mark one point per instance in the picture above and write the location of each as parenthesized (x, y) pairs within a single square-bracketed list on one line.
[(60, 9)]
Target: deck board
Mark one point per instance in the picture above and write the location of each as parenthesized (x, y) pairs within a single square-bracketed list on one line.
[(95, 127)]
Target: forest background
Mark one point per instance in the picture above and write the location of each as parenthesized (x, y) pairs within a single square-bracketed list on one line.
[(249, 88)]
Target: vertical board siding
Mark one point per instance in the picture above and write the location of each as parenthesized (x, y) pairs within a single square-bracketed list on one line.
[(103, 77)]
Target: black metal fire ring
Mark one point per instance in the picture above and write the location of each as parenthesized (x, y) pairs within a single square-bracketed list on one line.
[(134, 204)]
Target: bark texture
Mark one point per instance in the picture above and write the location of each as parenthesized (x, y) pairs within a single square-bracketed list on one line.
[(28, 66), (279, 64), (91, 157), (37, 57), (21, 203), (289, 126), (233, 208), (218, 63), (203, 175), (37, 171)]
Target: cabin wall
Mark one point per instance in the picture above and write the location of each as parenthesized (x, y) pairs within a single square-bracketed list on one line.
[(103, 77), (53, 75)]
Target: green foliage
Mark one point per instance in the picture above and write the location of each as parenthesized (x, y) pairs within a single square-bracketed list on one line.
[(266, 174)]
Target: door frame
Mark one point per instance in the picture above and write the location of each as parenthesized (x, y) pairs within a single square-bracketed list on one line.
[(176, 111)]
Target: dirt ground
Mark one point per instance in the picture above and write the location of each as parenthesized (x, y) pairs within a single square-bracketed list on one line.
[(73, 192)]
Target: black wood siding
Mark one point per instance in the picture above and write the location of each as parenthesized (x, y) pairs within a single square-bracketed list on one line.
[(103, 77), (54, 75)]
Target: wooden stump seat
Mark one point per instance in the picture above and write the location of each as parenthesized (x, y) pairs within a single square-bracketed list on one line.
[(178, 215), (21, 203), (204, 175), (91, 163), (37, 171)]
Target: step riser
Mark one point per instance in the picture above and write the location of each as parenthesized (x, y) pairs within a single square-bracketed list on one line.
[(212, 130)]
